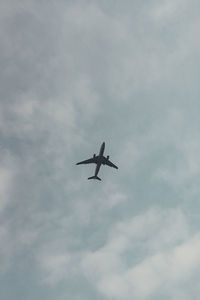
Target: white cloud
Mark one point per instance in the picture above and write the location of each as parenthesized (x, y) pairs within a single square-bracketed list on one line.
[(56, 261), (180, 135), (55, 267), (168, 8), (168, 257), (64, 64), (165, 270)]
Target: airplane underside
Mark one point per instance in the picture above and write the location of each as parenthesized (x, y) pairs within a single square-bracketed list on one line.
[(98, 160)]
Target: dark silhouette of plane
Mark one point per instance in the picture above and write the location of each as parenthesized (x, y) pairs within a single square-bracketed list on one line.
[(98, 160)]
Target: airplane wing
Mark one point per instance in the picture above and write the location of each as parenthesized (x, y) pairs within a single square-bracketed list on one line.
[(110, 164), (87, 161)]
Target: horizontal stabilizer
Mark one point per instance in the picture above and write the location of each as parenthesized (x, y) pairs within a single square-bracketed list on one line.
[(95, 177)]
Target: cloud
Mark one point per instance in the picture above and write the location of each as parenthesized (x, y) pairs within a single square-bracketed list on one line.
[(5, 186), (58, 257), (180, 165), (8, 173), (168, 256), (74, 74), (168, 9), (56, 267)]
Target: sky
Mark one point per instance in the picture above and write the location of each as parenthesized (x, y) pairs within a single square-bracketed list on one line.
[(74, 74)]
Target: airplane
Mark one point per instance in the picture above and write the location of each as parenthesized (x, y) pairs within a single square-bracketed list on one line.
[(98, 160)]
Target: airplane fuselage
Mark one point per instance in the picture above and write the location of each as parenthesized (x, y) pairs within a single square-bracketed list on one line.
[(99, 159), (101, 152)]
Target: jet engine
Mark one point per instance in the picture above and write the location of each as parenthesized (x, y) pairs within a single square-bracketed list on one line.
[(108, 157), (94, 155)]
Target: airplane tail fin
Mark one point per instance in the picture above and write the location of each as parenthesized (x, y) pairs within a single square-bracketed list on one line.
[(95, 177)]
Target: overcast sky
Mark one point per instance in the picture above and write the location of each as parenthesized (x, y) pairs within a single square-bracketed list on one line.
[(72, 75)]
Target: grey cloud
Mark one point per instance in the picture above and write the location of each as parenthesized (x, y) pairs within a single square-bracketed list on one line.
[(73, 75), (168, 264)]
